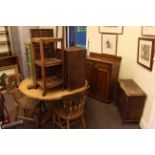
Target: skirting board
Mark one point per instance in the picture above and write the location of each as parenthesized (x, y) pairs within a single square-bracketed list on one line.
[(143, 124)]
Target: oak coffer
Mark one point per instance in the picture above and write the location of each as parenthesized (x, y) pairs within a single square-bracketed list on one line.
[(75, 67), (130, 100)]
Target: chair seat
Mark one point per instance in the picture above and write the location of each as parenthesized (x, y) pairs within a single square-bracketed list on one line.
[(67, 116), (70, 108)]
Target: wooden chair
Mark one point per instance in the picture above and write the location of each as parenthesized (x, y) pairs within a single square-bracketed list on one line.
[(69, 109), (26, 107), (4, 115)]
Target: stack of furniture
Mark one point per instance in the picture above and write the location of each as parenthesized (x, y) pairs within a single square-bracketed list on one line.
[(55, 66), (5, 49), (102, 74), (130, 100)]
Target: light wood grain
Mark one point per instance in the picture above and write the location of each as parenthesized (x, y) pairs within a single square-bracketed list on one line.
[(52, 94)]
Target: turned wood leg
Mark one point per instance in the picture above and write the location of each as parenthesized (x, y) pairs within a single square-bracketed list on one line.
[(54, 121), (83, 122), (68, 125), (44, 92), (16, 118), (37, 122)]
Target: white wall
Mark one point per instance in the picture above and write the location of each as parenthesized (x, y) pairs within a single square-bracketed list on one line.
[(20, 35), (127, 49)]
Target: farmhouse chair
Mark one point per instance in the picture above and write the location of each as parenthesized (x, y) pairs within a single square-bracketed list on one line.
[(69, 109)]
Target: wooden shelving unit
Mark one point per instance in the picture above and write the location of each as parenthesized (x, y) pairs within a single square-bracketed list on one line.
[(48, 62), (5, 49), (51, 82)]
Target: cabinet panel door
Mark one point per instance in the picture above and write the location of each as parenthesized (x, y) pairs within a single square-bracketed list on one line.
[(90, 76), (101, 82), (75, 68)]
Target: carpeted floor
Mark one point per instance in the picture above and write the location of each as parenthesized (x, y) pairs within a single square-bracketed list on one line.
[(98, 115)]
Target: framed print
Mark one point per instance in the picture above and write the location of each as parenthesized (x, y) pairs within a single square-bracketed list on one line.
[(148, 30), (145, 52), (9, 70), (111, 29), (109, 44)]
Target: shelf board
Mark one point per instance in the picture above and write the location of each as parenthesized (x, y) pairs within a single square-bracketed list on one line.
[(51, 82), (3, 42), (5, 53), (3, 32), (49, 62), (46, 39)]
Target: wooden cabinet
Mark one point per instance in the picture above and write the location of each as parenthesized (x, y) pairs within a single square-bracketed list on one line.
[(75, 62), (102, 73), (130, 100)]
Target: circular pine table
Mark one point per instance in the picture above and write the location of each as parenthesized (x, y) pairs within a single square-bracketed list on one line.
[(51, 95)]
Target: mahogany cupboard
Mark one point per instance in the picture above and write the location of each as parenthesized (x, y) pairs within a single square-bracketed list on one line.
[(75, 70), (102, 74)]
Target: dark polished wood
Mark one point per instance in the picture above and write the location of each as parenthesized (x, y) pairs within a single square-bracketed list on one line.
[(130, 100), (41, 33), (75, 67), (102, 73)]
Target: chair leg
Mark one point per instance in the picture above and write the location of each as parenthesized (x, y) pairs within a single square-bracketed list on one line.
[(54, 120), (16, 118), (68, 124), (37, 122), (83, 122)]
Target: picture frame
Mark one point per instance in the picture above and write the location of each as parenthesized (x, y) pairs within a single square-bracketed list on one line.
[(111, 29), (148, 31), (145, 52), (9, 70), (109, 44)]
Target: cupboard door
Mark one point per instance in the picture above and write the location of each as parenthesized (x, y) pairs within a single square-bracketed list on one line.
[(101, 83), (90, 76), (75, 67)]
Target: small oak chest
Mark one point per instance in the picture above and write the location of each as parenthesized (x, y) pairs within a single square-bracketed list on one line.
[(130, 100)]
